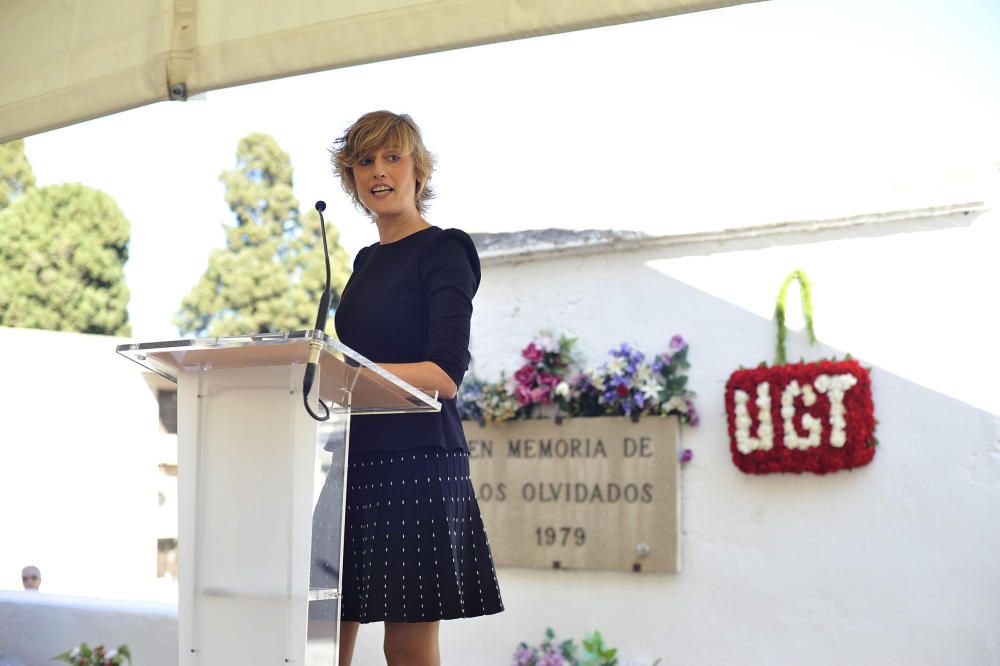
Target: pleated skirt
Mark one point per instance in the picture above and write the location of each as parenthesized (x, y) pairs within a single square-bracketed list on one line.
[(415, 549)]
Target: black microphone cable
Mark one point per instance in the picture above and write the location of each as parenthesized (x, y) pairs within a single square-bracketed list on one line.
[(316, 344)]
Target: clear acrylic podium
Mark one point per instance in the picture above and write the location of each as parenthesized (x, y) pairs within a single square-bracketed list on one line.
[(261, 490)]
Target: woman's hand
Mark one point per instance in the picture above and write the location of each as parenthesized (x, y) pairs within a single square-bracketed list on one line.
[(425, 375)]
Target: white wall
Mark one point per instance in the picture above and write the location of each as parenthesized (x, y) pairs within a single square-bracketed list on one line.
[(78, 466), (34, 627), (894, 563)]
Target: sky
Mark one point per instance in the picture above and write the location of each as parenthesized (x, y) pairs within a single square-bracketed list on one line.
[(769, 112)]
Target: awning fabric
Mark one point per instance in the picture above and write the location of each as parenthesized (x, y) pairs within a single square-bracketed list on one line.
[(65, 61)]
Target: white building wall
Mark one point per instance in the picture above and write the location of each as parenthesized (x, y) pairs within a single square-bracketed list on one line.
[(894, 563), (34, 627), (78, 466)]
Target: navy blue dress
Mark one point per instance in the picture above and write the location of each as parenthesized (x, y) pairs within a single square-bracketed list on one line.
[(415, 549)]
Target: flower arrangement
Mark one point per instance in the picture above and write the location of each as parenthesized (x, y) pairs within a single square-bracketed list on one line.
[(626, 384), (629, 385), (547, 362), (84, 655), (483, 401), (566, 653), (809, 417), (800, 417)]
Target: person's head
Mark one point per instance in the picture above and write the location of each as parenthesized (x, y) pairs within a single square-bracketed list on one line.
[(383, 134), (31, 577)]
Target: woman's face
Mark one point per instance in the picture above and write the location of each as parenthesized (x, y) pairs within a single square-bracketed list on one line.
[(386, 182)]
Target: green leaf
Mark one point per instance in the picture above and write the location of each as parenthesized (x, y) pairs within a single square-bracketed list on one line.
[(271, 274), (62, 261)]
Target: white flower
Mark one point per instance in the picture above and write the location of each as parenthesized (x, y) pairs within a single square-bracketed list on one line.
[(765, 431), (680, 404), (616, 366), (562, 390), (75, 652), (643, 373), (547, 344), (651, 390), (111, 654)]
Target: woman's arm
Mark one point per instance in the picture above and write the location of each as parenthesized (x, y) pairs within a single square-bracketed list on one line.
[(425, 375)]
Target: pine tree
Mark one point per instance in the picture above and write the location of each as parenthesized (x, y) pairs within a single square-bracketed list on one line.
[(15, 171), (63, 250), (271, 273)]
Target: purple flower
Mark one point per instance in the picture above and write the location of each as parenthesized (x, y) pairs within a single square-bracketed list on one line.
[(686, 456), (622, 351), (677, 343), (552, 658), (692, 413), (522, 656)]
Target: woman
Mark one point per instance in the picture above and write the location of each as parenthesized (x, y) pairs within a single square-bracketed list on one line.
[(415, 551)]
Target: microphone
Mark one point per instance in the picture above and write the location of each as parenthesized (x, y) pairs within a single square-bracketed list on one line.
[(316, 344)]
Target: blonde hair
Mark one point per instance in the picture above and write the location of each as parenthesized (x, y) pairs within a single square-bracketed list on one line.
[(376, 130)]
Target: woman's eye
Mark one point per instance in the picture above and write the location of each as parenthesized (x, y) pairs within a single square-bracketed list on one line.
[(364, 161), (394, 158)]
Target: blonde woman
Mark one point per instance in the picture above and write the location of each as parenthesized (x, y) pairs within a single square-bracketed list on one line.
[(415, 550)]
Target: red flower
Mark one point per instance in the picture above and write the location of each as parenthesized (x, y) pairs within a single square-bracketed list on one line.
[(523, 394), (859, 429), (622, 390), (532, 353), (548, 379), (525, 374)]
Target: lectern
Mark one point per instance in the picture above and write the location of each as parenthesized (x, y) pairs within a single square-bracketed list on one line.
[(261, 490)]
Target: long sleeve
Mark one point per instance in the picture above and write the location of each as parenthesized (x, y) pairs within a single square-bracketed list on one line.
[(451, 275)]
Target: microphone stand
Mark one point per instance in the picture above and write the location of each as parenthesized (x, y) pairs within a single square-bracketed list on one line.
[(316, 344)]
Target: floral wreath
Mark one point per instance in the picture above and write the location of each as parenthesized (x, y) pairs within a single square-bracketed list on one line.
[(800, 417)]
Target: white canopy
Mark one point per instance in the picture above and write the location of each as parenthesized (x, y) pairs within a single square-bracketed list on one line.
[(66, 61)]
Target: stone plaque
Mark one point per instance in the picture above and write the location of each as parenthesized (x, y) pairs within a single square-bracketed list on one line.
[(589, 493)]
